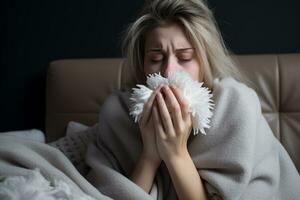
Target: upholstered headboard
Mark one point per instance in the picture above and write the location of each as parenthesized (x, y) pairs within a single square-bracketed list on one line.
[(76, 88)]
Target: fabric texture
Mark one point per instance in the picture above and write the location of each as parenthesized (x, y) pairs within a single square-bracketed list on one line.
[(74, 144), (34, 186), (23, 157), (31, 134), (239, 158)]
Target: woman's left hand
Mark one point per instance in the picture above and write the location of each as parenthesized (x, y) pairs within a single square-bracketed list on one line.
[(173, 123)]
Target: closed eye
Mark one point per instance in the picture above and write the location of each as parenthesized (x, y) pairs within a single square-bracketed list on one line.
[(155, 58), (185, 54), (185, 59)]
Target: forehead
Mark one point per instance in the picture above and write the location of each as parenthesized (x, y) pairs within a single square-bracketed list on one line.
[(169, 34)]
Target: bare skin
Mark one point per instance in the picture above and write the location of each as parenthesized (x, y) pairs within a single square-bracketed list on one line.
[(166, 122)]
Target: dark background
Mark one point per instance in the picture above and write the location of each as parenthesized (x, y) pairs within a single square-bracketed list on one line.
[(35, 32)]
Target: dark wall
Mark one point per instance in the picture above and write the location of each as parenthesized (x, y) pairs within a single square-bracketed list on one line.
[(34, 32), (259, 26)]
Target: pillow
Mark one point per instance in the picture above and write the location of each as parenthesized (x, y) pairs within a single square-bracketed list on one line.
[(32, 134), (74, 144), (74, 127)]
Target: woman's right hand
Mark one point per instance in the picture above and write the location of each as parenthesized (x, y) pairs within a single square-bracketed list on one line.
[(147, 131)]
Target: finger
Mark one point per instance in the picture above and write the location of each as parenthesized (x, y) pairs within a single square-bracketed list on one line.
[(164, 115), (182, 102), (173, 107), (145, 117), (159, 130)]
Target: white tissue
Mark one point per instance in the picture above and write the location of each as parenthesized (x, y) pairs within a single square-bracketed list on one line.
[(197, 96)]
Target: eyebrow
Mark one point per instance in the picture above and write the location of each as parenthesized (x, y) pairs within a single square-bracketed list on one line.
[(160, 50)]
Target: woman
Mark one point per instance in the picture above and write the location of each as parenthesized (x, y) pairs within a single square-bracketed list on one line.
[(159, 155)]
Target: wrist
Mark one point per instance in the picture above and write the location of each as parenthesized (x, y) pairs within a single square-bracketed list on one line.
[(144, 173), (154, 162), (181, 157)]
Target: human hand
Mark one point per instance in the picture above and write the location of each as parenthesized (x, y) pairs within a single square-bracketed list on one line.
[(172, 122), (148, 132)]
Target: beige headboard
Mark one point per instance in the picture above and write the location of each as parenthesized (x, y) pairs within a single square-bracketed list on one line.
[(76, 88)]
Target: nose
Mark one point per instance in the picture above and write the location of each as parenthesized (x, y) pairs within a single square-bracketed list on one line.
[(170, 65)]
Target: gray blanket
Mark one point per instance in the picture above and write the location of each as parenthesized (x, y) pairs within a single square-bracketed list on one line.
[(19, 158), (239, 158)]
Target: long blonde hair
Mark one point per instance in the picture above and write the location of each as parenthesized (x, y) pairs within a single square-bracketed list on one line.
[(200, 28)]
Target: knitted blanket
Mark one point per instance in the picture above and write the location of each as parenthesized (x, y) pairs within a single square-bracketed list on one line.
[(239, 158)]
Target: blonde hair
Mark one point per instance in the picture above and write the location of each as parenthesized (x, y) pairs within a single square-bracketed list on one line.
[(200, 28)]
